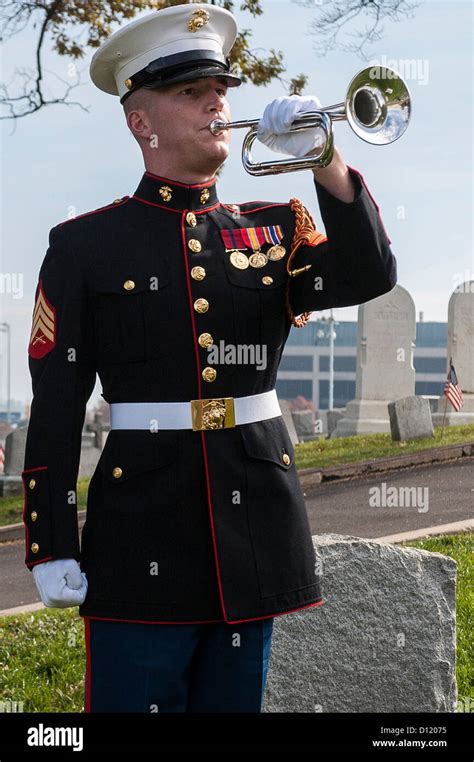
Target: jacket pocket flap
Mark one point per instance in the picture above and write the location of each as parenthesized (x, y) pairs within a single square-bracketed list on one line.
[(130, 452), (270, 276), (268, 440)]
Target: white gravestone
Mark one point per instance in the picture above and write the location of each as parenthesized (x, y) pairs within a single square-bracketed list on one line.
[(461, 349), (385, 371)]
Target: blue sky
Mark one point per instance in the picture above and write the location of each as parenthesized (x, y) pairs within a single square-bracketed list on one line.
[(65, 161)]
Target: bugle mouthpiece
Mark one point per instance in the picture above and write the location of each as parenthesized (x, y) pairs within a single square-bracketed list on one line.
[(217, 126)]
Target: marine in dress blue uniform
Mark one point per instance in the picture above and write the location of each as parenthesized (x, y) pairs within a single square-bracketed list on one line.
[(196, 534)]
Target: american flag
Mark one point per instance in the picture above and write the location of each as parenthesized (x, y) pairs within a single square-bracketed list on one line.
[(452, 390)]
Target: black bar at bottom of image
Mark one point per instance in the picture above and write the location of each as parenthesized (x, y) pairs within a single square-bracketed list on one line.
[(84, 735)]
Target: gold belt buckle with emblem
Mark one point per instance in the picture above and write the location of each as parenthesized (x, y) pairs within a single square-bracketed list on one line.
[(213, 413)]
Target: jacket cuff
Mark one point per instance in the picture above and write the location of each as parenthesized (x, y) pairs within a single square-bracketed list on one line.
[(36, 516)]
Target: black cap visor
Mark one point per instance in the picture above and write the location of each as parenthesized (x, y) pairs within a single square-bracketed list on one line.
[(182, 67), (197, 73)]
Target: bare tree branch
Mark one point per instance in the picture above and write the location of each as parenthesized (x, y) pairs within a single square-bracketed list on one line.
[(32, 98), (335, 17)]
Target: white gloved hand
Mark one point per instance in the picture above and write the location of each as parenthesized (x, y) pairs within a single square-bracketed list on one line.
[(60, 583), (276, 120)]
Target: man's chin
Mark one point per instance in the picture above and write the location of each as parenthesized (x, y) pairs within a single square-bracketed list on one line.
[(207, 156), (216, 157)]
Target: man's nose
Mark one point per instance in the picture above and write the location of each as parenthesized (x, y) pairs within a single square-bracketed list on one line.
[(216, 102)]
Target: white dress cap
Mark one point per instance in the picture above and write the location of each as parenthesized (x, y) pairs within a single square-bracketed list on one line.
[(182, 42)]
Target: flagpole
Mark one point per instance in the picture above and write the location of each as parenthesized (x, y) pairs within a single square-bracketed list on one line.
[(444, 416), (446, 401)]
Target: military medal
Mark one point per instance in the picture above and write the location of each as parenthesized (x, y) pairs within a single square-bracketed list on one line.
[(239, 259), (255, 238), (276, 252), (258, 259)]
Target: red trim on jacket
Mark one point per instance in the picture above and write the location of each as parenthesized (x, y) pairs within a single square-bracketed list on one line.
[(251, 211), (147, 621), (181, 185), (279, 613), (198, 369), (172, 209), (206, 621), (29, 564), (87, 686), (373, 199), (211, 519), (96, 211)]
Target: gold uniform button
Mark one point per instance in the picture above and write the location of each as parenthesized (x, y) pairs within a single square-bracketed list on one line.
[(35, 547), (32, 483), (117, 472), (129, 285), (128, 83), (198, 273), (194, 245), (191, 219), (33, 515), (201, 305), (209, 374), (205, 340), (267, 280), (286, 459)]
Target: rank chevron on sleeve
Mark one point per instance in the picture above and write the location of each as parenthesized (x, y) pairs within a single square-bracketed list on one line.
[(43, 330)]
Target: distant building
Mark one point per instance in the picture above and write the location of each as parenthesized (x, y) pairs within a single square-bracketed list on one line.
[(17, 409), (304, 367)]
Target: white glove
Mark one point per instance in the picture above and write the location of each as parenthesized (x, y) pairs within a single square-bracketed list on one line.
[(276, 120), (60, 583)]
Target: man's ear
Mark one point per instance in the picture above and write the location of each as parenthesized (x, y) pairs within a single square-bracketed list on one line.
[(139, 124), (136, 121)]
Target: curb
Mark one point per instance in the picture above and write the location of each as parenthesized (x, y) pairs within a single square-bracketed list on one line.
[(23, 609), (311, 478), (456, 527)]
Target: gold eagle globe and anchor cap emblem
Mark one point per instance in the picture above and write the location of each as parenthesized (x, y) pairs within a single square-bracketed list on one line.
[(198, 19)]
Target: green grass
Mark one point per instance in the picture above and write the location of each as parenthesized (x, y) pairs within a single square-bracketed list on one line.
[(42, 655), (329, 452), (317, 454), (42, 661), (461, 548)]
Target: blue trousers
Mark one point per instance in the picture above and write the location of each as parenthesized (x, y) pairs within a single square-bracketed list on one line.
[(135, 667)]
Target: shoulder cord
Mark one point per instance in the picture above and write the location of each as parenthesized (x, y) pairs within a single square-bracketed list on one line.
[(305, 233)]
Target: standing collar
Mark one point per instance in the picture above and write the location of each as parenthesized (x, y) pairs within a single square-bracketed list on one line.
[(176, 196)]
